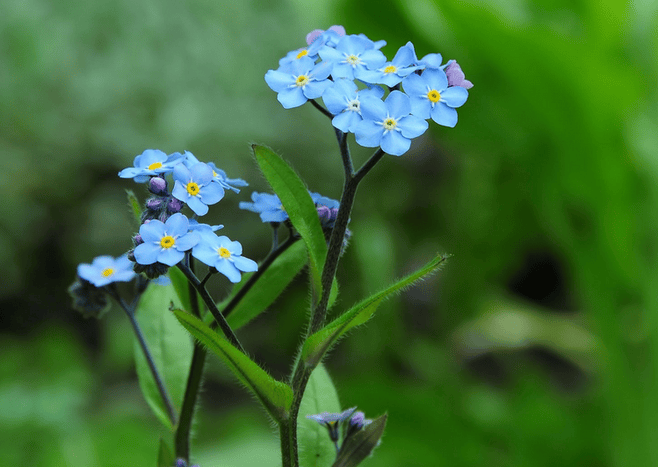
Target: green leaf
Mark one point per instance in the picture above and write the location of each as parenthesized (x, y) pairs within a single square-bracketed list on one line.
[(317, 345), (135, 206), (180, 284), (315, 447), (299, 206), (268, 287), (170, 346), (275, 396), (166, 457), (359, 446)]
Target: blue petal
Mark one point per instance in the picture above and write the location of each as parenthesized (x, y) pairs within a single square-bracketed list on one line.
[(205, 253), (170, 256), (444, 115), (454, 96), (373, 108), (315, 89), (291, 97), (368, 133), (182, 173), (273, 216), (435, 79), (278, 81), (187, 241), (346, 121), (229, 270), (421, 107), (201, 173), (152, 231), (147, 253), (405, 55), (412, 126), (177, 225), (397, 104), (179, 191), (211, 193), (197, 206), (245, 264), (394, 143)]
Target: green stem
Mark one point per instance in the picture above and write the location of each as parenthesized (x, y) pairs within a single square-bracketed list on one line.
[(210, 303), (183, 430), (130, 312)]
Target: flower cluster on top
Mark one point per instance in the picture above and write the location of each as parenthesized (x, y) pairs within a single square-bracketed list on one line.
[(349, 71)]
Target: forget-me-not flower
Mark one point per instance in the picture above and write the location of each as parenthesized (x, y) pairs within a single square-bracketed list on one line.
[(268, 206), (352, 56), (224, 255), (104, 270), (195, 187), (227, 183), (299, 81), (388, 124), (150, 163), (166, 242), (343, 100), (392, 73), (431, 97)]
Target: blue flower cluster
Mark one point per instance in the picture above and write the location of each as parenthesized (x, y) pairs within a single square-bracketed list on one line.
[(166, 234), (348, 72), (270, 209)]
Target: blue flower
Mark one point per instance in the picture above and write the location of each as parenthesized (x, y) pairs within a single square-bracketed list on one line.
[(388, 124), (195, 187), (196, 226), (332, 421), (227, 183), (343, 100), (431, 97), (392, 73), (224, 255), (104, 270), (150, 163), (167, 242), (352, 56), (298, 82), (268, 206)]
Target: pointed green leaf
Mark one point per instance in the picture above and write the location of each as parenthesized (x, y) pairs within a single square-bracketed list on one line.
[(268, 287), (315, 447), (135, 206), (166, 457), (275, 396), (319, 343), (170, 346), (298, 204), (359, 446)]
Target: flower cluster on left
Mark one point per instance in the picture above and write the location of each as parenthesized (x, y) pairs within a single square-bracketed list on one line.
[(166, 234)]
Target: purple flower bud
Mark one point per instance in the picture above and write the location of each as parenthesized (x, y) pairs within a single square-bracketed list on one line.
[(180, 463), (358, 420), (174, 205), (138, 240), (456, 76), (154, 204), (158, 186)]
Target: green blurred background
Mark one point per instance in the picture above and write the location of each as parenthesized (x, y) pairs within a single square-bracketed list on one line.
[(536, 346)]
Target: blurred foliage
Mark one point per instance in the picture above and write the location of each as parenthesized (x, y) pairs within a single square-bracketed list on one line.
[(537, 344)]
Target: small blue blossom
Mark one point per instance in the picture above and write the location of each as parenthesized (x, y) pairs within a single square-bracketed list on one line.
[(343, 100), (299, 81), (224, 255), (268, 206), (150, 163), (227, 183), (165, 243), (104, 270), (332, 421), (352, 57), (195, 187), (388, 124), (196, 226), (392, 73), (431, 97)]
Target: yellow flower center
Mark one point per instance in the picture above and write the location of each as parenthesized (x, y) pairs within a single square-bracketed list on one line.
[(155, 165), (302, 80), (167, 242), (390, 124), (192, 188), (434, 96), (302, 53), (390, 69), (214, 174), (223, 252), (107, 272), (352, 60)]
